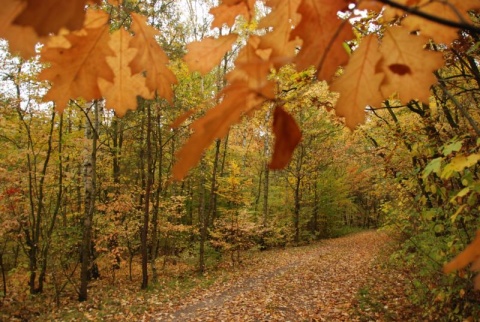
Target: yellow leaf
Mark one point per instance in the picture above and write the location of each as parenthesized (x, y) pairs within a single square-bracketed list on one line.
[(151, 58), (359, 84), (203, 55), (74, 71), (458, 163), (121, 94), (408, 67)]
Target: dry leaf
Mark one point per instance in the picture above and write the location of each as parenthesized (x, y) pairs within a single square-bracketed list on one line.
[(22, 39), (228, 10), (203, 55), (237, 100), (74, 71), (408, 67), (360, 83), (121, 94), (151, 58), (471, 254), (323, 34), (287, 136), (48, 16), (278, 41), (453, 10)]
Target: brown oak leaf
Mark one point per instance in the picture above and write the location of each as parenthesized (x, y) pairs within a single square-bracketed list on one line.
[(359, 85), (407, 65), (48, 16), (323, 34), (228, 10), (21, 39), (238, 99), (471, 254), (74, 71), (151, 58), (282, 19), (287, 136), (452, 10), (203, 55), (121, 94)]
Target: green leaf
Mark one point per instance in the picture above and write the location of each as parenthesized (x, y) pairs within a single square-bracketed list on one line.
[(432, 166), (452, 147)]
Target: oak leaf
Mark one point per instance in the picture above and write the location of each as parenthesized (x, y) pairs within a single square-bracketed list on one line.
[(359, 85), (253, 66), (408, 67), (203, 55), (452, 10), (228, 10), (282, 18), (21, 39), (323, 34), (121, 94), (287, 136), (48, 16), (471, 254), (237, 100), (74, 71), (151, 58)]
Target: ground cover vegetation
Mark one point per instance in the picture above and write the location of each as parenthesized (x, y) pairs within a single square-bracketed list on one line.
[(257, 125)]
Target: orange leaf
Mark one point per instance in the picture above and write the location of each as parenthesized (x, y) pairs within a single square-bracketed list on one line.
[(151, 58), (253, 68), (121, 94), (287, 136), (74, 71), (238, 100), (282, 19), (359, 84), (228, 10), (471, 254), (21, 39), (452, 10), (323, 34), (48, 16), (203, 55), (408, 67)]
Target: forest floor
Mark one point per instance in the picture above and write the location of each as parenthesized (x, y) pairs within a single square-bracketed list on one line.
[(341, 279), (330, 281)]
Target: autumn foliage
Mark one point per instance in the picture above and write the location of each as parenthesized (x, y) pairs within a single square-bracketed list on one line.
[(86, 57)]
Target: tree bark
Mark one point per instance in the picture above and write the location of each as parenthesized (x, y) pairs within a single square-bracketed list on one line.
[(89, 180)]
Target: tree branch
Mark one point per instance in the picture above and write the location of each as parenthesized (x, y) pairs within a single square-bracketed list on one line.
[(419, 13)]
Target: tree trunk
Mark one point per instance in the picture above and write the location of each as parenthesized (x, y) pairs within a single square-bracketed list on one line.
[(89, 180), (146, 213), (202, 219)]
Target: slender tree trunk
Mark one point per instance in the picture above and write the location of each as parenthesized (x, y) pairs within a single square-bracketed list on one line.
[(146, 213), (202, 219), (158, 193), (89, 180)]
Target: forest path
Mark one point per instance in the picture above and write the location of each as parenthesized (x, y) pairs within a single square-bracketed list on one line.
[(313, 283)]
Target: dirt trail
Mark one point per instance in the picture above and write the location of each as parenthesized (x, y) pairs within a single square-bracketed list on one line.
[(315, 283)]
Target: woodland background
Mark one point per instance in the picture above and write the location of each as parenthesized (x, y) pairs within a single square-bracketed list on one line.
[(88, 204)]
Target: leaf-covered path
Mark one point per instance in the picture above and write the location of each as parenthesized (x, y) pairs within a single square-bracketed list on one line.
[(315, 283)]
